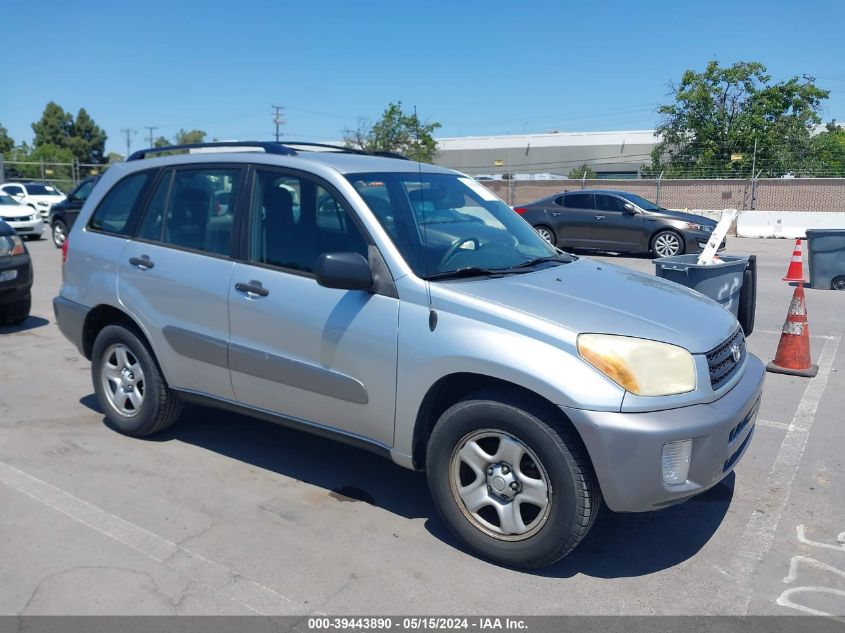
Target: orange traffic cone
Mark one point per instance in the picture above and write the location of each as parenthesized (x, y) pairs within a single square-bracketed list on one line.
[(795, 272), (793, 355)]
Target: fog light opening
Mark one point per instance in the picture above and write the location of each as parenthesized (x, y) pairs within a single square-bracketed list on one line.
[(675, 462)]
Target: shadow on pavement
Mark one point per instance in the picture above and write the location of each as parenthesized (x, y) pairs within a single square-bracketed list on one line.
[(619, 545), (30, 323)]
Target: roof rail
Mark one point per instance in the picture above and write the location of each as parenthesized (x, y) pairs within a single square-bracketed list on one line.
[(343, 149), (268, 147)]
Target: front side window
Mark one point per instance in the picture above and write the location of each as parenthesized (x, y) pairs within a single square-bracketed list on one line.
[(443, 223), (193, 208), (115, 209), (642, 203), (294, 220), (83, 191), (609, 203)]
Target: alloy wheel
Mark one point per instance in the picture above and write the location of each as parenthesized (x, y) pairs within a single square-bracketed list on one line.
[(123, 380)]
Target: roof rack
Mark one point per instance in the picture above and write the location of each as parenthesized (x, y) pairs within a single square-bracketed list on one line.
[(345, 150), (268, 147)]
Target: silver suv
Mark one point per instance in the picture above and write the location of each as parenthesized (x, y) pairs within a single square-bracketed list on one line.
[(404, 308)]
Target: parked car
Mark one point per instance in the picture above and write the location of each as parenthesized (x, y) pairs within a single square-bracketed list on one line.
[(610, 220), (37, 195), (24, 219), (15, 277), (63, 214), (404, 308)]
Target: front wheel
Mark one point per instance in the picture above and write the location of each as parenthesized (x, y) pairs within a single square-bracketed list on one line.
[(667, 244), (838, 283), (59, 231), (510, 480), (129, 385)]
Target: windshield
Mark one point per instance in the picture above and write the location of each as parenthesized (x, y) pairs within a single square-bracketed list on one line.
[(444, 222), (642, 203), (4, 199), (42, 190)]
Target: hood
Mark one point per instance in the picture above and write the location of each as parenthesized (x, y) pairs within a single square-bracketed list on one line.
[(15, 211), (591, 296), (684, 216)]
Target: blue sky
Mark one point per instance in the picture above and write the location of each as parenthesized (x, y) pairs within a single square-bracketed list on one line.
[(477, 68)]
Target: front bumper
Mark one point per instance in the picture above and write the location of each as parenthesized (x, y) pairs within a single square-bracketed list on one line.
[(695, 242), (626, 448), (29, 227)]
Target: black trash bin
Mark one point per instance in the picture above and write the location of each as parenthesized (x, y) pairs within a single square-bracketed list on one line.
[(826, 258), (731, 282)]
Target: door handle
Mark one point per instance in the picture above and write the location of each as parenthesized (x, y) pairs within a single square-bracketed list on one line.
[(599, 217), (142, 262), (555, 214), (252, 288)]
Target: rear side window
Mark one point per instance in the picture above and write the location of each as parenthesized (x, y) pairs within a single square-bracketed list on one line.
[(194, 208), (578, 201), (115, 210)]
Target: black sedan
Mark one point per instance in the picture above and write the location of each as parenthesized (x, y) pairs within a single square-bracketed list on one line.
[(610, 220), (15, 277), (63, 214)]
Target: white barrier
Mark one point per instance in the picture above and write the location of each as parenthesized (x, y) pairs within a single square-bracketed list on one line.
[(787, 224)]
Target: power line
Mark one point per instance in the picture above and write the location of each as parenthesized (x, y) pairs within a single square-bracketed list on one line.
[(278, 119)]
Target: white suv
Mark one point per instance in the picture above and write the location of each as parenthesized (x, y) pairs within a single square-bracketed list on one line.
[(39, 196)]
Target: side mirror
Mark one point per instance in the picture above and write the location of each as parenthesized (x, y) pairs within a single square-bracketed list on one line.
[(630, 208), (345, 271)]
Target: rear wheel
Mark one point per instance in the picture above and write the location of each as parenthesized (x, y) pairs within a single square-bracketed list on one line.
[(59, 231), (511, 481), (667, 244), (547, 234), (129, 385), (838, 283)]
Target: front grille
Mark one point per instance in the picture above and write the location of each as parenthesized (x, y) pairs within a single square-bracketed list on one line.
[(721, 361), (736, 437)]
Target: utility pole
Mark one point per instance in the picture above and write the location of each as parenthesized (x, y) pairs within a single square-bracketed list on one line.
[(151, 129), (754, 158), (278, 119), (128, 133)]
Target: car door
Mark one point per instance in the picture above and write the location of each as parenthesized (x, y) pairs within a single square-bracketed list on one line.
[(174, 276), (297, 349), (617, 228), (571, 216)]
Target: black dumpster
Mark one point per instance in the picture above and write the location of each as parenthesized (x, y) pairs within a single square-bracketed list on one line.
[(826, 258)]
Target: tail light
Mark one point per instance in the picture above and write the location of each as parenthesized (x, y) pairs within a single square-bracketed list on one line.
[(520, 210), (65, 245)]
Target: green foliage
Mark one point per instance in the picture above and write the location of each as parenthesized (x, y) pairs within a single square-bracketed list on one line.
[(161, 142), (7, 144), (827, 152), (84, 138), (396, 131), (721, 111), (584, 171), (186, 138)]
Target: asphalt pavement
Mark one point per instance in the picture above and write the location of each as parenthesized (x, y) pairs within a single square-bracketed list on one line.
[(224, 514)]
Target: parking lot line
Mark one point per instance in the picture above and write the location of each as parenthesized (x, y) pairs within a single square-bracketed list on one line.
[(761, 527), (773, 424), (220, 579)]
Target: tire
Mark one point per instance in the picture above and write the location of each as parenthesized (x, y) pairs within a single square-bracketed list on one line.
[(18, 312), (667, 244), (499, 422), (838, 283), (61, 228), (546, 233), (154, 407)]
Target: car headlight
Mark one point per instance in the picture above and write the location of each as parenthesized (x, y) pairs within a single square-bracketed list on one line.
[(10, 245), (43, 204), (643, 367), (706, 228)]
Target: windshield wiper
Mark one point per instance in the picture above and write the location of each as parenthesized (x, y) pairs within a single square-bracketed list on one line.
[(542, 260), (473, 271)]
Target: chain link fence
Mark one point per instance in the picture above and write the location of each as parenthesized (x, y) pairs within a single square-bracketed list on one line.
[(765, 194), (62, 176)]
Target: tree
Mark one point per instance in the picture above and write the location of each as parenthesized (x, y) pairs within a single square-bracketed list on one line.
[(161, 141), (7, 144), (584, 171), (827, 151), (84, 138), (397, 132), (711, 126), (186, 138)]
